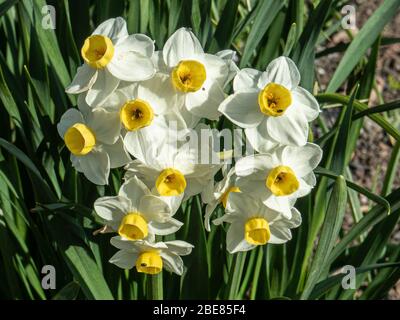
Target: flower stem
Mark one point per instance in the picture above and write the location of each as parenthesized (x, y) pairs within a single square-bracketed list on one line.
[(155, 287), (235, 275)]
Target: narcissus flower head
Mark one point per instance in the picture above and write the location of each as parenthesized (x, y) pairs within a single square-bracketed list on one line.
[(137, 214), (149, 257), (218, 193), (94, 141), (279, 178), (197, 77), (110, 55), (169, 166), (252, 224), (271, 106)]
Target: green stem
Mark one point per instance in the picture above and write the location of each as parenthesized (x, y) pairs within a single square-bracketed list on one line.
[(256, 273), (155, 287), (249, 271), (391, 169), (236, 274)]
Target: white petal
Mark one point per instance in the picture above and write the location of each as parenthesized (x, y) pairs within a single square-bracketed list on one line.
[(229, 56), (241, 204), (295, 221), (96, 167), (279, 234), (179, 247), (302, 159), (306, 102), (173, 203), (235, 241), (204, 103), (207, 195), (310, 179), (182, 45), (289, 129), (131, 66), (277, 237), (114, 28), (83, 106), (158, 61), (84, 79), (112, 209), (283, 71), (139, 43), (259, 138), (256, 165), (246, 80), (169, 227), (141, 170), (105, 125), (124, 244), (117, 153), (149, 144), (134, 190), (303, 190), (216, 68), (159, 93), (154, 208), (105, 84), (124, 259), (68, 119), (210, 208), (172, 262), (116, 100), (242, 109), (282, 204), (255, 186)]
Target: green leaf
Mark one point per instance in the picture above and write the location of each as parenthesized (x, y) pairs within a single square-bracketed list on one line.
[(344, 100), (291, 40), (304, 52), (195, 283), (224, 32), (265, 16), (44, 188), (341, 146), (6, 5), (394, 105), (363, 40), (329, 233), (327, 284), (371, 218), (68, 292), (80, 262), (355, 187)]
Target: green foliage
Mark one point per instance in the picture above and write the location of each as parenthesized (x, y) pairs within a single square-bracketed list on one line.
[(46, 207)]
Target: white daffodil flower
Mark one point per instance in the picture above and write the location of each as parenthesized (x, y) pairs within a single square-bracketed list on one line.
[(216, 193), (198, 77), (170, 166), (271, 105), (111, 55), (149, 257), (94, 140), (137, 214), (253, 224), (280, 178), (149, 105)]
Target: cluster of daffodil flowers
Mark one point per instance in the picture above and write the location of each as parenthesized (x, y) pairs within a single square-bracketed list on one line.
[(129, 94)]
